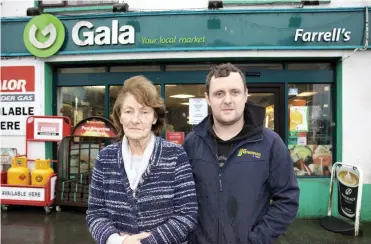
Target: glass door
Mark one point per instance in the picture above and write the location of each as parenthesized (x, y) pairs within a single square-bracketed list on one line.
[(271, 97)]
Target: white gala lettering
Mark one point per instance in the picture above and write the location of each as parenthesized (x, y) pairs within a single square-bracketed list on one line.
[(89, 35), (128, 35), (103, 35)]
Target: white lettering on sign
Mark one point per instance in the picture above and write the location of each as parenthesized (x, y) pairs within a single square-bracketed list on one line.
[(48, 129), (336, 35), (103, 35), (13, 85), (20, 193), (17, 98)]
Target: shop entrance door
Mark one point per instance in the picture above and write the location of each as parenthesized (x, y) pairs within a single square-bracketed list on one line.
[(270, 96)]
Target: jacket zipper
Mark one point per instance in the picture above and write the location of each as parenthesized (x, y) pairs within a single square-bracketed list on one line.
[(220, 179)]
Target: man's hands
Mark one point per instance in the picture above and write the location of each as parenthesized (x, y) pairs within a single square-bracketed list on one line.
[(134, 239)]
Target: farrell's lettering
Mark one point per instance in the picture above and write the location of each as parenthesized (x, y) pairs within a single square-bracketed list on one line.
[(336, 35)]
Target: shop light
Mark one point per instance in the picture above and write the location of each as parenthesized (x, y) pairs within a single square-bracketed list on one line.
[(120, 7), (306, 94), (182, 96), (216, 4), (34, 11), (186, 104), (170, 85)]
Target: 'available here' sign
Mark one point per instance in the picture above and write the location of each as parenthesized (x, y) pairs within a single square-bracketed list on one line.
[(17, 96)]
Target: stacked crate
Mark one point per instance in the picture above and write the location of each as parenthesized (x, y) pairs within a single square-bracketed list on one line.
[(76, 191)]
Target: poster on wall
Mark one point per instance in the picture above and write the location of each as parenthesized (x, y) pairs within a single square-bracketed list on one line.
[(311, 160), (348, 183), (17, 96), (95, 126), (197, 110), (299, 118), (176, 137)]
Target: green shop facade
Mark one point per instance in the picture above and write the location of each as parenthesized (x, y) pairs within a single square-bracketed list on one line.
[(293, 61)]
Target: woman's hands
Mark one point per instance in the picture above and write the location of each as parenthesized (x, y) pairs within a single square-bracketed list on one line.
[(134, 239)]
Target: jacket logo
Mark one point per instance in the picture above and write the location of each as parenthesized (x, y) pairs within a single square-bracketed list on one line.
[(244, 151)]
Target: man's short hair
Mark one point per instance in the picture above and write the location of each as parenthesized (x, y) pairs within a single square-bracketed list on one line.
[(223, 70)]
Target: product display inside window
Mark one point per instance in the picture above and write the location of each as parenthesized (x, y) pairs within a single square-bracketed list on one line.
[(266, 100), (80, 102), (113, 91), (311, 129), (186, 106)]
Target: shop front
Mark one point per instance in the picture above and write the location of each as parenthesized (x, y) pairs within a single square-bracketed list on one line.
[(292, 61)]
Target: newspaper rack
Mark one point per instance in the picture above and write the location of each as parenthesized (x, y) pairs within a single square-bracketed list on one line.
[(349, 201), (29, 195), (76, 155)]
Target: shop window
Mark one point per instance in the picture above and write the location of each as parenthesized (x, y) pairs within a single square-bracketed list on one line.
[(113, 91), (81, 102), (177, 99), (310, 66), (311, 129), (266, 100), (207, 67), (188, 67), (82, 70), (138, 68), (262, 66)]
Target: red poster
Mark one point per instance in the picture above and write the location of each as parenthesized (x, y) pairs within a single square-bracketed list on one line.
[(94, 126), (18, 79), (176, 137)]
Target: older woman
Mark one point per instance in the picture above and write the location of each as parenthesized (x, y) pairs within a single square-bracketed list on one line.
[(142, 189)]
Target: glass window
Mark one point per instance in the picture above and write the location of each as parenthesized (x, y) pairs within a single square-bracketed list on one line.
[(177, 106), (113, 91), (188, 67), (266, 100), (82, 70), (128, 68), (311, 129), (310, 66), (266, 66), (81, 102)]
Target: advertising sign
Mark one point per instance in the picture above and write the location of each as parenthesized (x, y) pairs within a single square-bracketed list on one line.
[(311, 160), (299, 118), (348, 183), (95, 126), (46, 35), (176, 137), (20, 193), (48, 129), (17, 96)]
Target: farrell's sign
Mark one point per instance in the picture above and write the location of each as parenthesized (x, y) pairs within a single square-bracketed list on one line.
[(335, 35)]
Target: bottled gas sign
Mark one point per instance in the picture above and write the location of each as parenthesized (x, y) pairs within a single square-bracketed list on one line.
[(17, 96)]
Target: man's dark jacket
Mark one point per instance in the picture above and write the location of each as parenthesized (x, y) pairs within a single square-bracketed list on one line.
[(235, 200)]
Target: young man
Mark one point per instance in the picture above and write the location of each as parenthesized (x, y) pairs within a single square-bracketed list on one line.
[(246, 188)]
